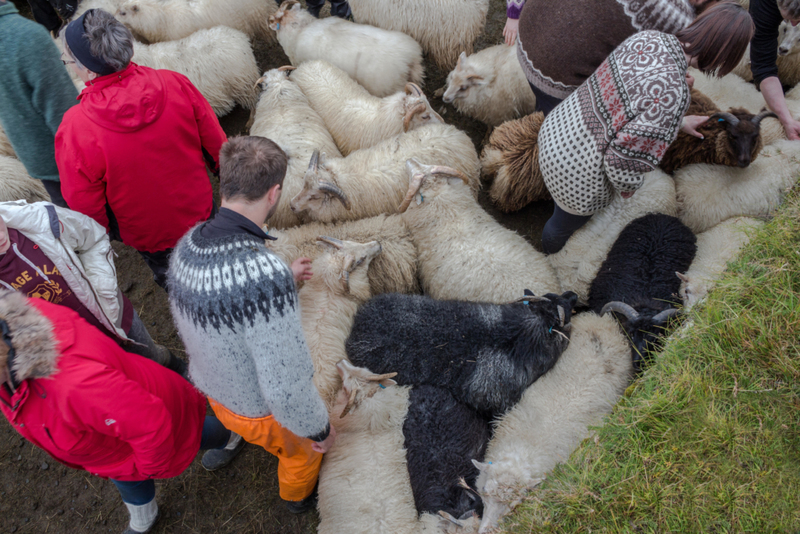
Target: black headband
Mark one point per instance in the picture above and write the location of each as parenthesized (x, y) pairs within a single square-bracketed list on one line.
[(79, 46)]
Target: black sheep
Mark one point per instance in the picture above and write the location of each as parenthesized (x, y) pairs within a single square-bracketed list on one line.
[(442, 437), (638, 279), (486, 355)]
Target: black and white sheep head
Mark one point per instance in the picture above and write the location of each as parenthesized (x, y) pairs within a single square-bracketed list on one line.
[(274, 76), (320, 192), (788, 37), (554, 312), (344, 266), (359, 384), (417, 110), (462, 79), (645, 325), (426, 181), (288, 14), (499, 488), (743, 140)]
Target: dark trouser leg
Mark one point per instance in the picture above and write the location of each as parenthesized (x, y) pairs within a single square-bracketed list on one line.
[(341, 9), (137, 492), (53, 189), (158, 263), (544, 102), (559, 228), (215, 435), (46, 15), (145, 346), (314, 6)]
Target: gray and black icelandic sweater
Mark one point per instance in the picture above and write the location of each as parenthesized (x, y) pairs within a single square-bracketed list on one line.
[(236, 308)]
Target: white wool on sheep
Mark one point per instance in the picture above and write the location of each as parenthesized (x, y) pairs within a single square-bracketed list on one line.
[(17, 184)]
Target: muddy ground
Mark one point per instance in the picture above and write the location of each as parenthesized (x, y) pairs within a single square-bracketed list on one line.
[(38, 495)]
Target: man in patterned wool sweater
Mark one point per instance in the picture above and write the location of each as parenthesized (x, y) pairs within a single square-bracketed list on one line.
[(236, 308)]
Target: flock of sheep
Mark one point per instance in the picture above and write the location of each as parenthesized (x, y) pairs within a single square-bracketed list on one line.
[(451, 406)]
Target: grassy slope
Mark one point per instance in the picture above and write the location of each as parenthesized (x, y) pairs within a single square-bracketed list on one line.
[(708, 439)]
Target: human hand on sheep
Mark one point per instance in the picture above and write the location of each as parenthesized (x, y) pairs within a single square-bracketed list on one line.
[(324, 446), (691, 123), (301, 268), (792, 128), (510, 31)]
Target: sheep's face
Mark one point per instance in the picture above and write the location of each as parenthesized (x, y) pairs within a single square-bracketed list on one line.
[(128, 11), (742, 141), (427, 181), (500, 490), (463, 78), (345, 265), (417, 110), (320, 194), (644, 324), (788, 38), (359, 384), (274, 77), (691, 291), (287, 15)]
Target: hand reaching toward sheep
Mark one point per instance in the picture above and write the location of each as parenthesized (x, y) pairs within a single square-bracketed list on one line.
[(324, 446), (301, 268), (510, 31), (691, 123), (792, 128)]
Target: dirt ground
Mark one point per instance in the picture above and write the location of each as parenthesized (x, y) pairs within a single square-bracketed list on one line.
[(39, 495)]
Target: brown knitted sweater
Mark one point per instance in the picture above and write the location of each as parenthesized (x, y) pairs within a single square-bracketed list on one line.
[(562, 42)]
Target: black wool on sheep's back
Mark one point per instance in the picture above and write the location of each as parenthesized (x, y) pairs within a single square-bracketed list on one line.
[(486, 355), (442, 437)]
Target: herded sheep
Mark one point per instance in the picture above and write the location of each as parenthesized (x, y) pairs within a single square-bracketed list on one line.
[(219, 61), (512, 157), (715, 248), (578, 262), (486, 355), (490, 86), (444, 28), (554, 415), (393, 271), (169, 20), (17, 184), (380, 60), (639, 274), (788, 61), (373, 180), (328, 302), (731, 138), (5, 145), (364, 485), (464, 254), (109, 6), (710, 194), (284, 115), (355, 118)]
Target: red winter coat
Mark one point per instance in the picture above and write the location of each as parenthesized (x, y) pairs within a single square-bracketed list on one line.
[(136, 142), (98, 408)]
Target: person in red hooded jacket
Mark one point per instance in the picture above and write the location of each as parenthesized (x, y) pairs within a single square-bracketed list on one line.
[(133, 154), (72, 391)]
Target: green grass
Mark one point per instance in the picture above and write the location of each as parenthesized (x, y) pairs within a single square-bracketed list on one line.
[(708, 439)]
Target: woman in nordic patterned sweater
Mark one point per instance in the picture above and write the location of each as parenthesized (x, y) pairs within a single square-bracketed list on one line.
[(617, 125)]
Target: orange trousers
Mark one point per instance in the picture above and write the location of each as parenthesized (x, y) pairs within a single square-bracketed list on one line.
[(298, 463)]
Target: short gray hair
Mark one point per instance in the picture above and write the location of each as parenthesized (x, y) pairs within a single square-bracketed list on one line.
[(109, 39), (790, 7)]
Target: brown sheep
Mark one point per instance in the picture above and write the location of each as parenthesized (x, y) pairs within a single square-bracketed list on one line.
[(512, 155), (732, 139)]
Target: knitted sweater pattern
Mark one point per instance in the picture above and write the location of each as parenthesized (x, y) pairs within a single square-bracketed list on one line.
[(617, 125), (561, 43), (236, 308)]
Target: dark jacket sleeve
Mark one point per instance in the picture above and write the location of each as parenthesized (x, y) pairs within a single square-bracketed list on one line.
[(49, 13), (764, 46)]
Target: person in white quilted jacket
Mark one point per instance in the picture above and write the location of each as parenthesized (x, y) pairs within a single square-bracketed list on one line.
[(65, 257)]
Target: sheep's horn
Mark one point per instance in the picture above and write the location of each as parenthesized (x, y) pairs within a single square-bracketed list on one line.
[(763, 115), (351, 402), (313, 165), (665, 315), (530, 298), (413, 187), (730, 117), (452, 519), (411, 113), (449, 171), (258, 83), (378, 378), (336, 191), (413, 89), (287, 68), (332, 241), (625, 309), (560, 314)]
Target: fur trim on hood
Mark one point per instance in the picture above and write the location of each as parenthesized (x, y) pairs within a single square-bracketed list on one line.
[(31, 336)]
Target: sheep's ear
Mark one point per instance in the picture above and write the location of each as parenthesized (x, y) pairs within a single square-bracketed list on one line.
[(683, 277), (135, 8), (386, 382), (480, 465), (476, 79), (462, 56)]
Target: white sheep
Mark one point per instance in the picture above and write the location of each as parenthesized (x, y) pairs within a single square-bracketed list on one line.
[(219, 62), (364, 486), (109, 6), (715, 248), (382, 61), (17, 184), (373, 180), (579, 261), (554, 414), (5, 145), (490, 86), (464, 254), (710, 194), (444, 28), (354, 117), (328, 303), (284, 115), (788, 61), (393, 271), (168, 20)]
